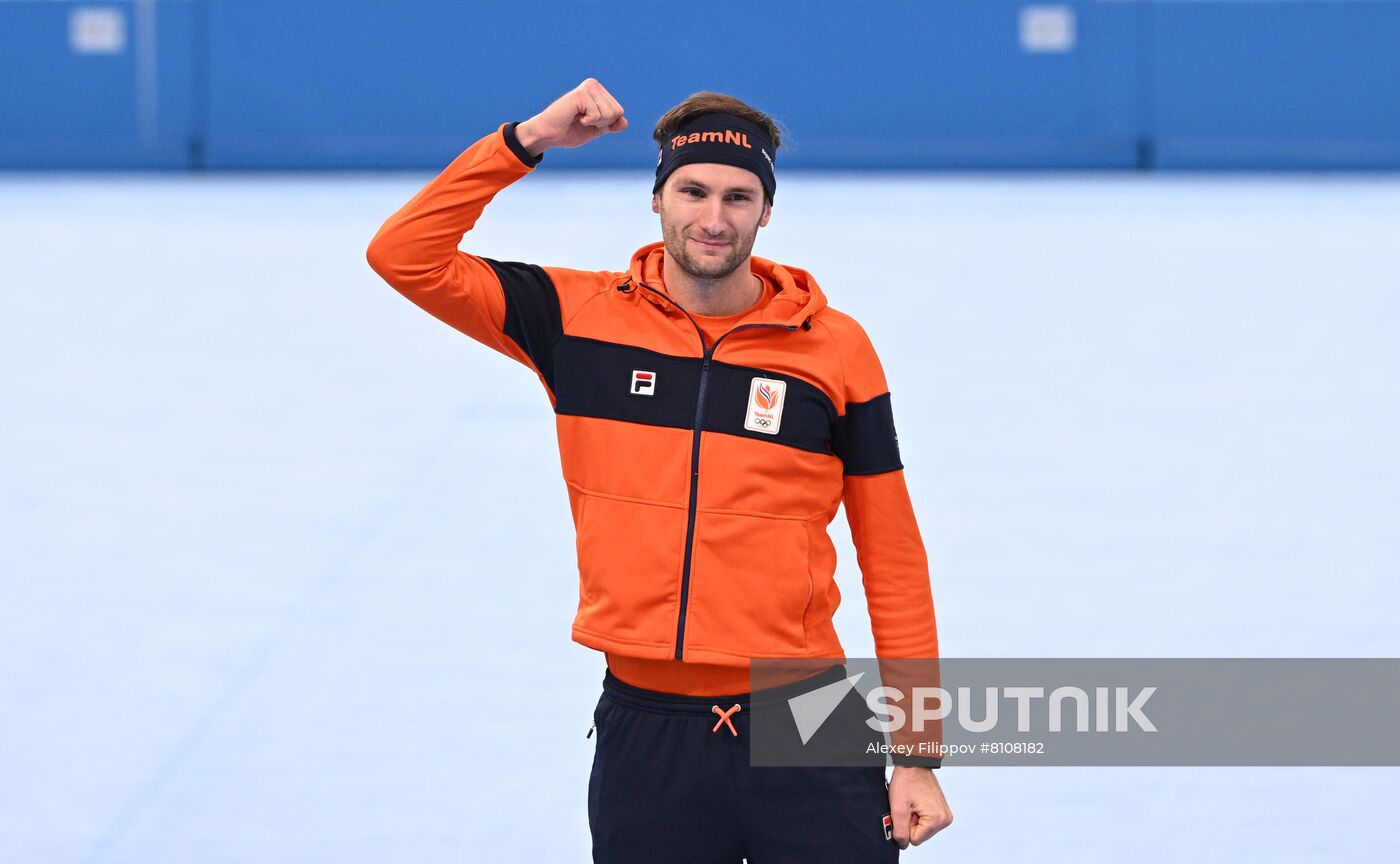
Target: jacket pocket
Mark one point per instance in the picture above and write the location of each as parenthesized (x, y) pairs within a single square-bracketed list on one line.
[(629, 562), (750, 585)]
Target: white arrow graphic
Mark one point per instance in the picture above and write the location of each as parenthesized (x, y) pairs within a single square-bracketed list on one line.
[(811, 709)]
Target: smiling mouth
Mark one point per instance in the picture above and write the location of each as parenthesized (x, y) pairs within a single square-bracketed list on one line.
[(707, 244)]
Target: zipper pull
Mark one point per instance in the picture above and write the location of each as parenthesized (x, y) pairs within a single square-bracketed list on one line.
[(590, 731)]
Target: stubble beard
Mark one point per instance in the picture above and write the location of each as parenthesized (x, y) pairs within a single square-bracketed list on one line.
[(708, 268)]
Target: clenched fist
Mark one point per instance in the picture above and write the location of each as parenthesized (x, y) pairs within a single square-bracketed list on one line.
[(586, 112)]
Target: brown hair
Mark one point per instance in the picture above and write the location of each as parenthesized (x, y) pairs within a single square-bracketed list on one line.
[(707, 102)]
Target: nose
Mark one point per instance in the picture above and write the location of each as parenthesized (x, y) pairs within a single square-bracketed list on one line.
[(712, 216)]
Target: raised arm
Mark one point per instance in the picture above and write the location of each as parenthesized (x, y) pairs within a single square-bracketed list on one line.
[(508, 306)]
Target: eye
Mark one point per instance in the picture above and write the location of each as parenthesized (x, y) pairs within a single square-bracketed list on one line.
[(738, 196), (692, 192)]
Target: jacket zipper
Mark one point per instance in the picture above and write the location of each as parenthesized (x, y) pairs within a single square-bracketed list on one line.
[(691, 507)]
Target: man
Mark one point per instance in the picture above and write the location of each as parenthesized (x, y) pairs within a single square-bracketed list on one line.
[(712, 412)]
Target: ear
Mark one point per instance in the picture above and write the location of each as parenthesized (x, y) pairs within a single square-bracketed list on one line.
[(767, 213), (656, 202)]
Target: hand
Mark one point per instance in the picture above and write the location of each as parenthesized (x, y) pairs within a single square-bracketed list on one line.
[(916, 805), (586, 112)]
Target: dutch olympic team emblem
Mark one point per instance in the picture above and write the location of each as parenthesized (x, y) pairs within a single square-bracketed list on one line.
[(765, 412)]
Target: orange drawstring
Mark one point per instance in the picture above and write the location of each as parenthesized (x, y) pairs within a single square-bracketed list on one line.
[(724, 719)]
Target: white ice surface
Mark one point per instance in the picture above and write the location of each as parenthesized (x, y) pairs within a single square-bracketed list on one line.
[(286, 566)]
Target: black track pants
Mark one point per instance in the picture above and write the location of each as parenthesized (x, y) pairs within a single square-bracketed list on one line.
[(668, 786)]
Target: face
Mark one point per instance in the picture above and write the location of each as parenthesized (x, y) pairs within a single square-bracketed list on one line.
[(710, 215)]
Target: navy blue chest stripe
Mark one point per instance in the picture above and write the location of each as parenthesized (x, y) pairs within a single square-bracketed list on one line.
[(593, 378)]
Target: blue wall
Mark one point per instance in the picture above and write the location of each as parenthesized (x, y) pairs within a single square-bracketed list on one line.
[(879, 83), (139, 108), (1314, 83)]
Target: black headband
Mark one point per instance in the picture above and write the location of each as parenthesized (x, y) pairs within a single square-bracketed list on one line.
[(721, 138)]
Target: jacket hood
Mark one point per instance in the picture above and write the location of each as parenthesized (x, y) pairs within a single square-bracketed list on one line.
[(798, 298)]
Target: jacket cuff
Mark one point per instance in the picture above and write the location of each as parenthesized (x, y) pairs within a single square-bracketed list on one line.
[(515, 147), (917, 761)]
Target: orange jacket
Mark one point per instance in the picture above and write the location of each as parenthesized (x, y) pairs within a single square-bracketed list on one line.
[(701, 477)]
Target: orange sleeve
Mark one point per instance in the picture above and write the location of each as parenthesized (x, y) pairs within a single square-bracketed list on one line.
[(513, 308), (893, 565), (889, 549)]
